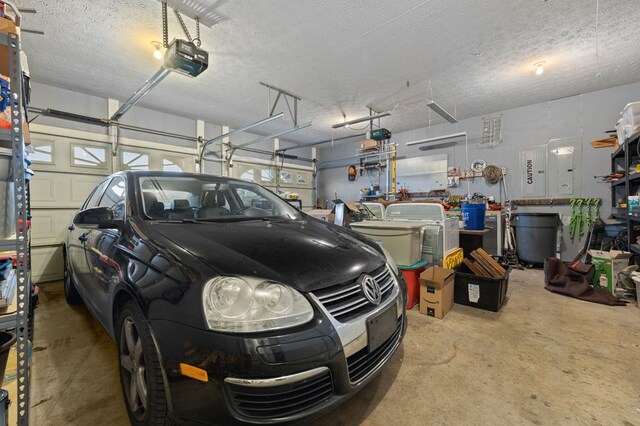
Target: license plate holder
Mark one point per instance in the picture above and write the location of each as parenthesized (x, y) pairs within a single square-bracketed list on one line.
[(381, 327)]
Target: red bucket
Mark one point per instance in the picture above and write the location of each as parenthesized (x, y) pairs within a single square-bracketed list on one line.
[(412, 278)]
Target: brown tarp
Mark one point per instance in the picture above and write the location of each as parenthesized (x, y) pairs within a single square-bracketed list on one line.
[(558, 278)]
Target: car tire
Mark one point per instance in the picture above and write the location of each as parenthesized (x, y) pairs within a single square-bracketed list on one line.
[(140, 371), (70, 290)]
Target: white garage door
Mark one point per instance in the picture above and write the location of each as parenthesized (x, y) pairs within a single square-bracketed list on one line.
[(67, 165), (276, 177)]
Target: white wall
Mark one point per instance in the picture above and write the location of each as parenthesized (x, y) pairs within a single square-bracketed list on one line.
[(586, 116)]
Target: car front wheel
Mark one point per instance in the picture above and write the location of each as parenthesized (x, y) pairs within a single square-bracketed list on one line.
[(140, 371)]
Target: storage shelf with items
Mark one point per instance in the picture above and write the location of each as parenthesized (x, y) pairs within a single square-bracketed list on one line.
[(16, 289), (625, 190)]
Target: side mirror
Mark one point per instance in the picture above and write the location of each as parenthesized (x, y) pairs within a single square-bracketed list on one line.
[(102, 217)]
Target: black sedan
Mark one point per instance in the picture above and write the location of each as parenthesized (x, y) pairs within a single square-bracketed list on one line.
[(226, 303)]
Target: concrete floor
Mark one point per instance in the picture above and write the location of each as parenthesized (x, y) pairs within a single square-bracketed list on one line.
[(544, 359)]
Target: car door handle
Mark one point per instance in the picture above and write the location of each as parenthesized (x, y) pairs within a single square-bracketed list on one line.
[(83, 237)]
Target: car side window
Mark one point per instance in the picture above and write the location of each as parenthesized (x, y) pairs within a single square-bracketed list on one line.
[(114, 198), (93, 199)]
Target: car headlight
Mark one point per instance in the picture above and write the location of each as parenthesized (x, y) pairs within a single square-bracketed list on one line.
[(392, 263), (245, 304)]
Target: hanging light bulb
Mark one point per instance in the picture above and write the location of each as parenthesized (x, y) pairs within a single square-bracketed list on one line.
[(539, 67), (157, 53)]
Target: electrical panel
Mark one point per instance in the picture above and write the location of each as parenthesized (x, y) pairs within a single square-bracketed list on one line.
[(565, 176)]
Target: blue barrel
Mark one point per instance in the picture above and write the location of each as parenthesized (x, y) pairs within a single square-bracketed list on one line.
[(473, 216)]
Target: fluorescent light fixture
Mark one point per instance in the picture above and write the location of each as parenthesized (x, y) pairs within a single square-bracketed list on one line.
[(437, 146), (275, 135), (438, 138), (360, 120), (441, 112)]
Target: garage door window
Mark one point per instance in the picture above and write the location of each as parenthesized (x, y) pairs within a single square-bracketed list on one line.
[(170, 165), (89, 156), (134, 161), (267, 175), (286, 176), (43, 152), (248, 176)]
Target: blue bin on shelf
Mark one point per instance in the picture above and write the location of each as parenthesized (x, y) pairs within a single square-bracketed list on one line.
[(473, 216)]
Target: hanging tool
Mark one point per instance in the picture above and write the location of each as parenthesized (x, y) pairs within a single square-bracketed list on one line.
[(579, 221), (596, 213), (574, 218), (587, 217)]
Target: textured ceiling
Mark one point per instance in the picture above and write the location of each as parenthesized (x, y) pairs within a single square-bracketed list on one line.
[(473, 58)]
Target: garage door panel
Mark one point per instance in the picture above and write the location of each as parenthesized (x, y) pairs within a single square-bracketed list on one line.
[(61, 189), (81, 187), (41, 189), (47, 263), (50, 226)]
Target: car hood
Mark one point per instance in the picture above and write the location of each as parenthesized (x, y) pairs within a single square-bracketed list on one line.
[(306, 254)]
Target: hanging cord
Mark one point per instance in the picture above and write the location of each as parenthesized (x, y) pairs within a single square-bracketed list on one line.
[(580, 222), (574, 218), (597, 44), (587, 217)]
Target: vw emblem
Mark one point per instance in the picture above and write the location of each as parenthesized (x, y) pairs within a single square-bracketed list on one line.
[(371, 289)]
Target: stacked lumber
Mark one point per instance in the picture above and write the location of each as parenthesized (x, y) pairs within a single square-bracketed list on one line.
[(483, 265)]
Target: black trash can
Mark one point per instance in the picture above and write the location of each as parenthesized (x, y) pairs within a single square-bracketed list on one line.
[(536, 235)]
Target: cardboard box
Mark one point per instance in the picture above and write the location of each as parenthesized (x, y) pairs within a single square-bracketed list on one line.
[(608, 264), (436, 291), (368, 144), (322, 214)]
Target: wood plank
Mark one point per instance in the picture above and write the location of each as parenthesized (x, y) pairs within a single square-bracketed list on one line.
[(484, 271), (486, 265), (492, 261), (474, 268)]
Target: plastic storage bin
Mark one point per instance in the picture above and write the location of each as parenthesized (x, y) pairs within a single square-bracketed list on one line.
[(631, 118), (441, 235), (480, 292), (403, 240)]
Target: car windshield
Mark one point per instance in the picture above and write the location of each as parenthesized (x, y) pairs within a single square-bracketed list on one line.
[(209, 198)]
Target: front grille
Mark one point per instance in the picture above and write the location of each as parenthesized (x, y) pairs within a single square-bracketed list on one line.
[(280, 401), (347, 301), (363, 362)]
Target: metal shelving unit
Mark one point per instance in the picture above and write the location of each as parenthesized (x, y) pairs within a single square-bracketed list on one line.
[(621, 160), (17, 288)]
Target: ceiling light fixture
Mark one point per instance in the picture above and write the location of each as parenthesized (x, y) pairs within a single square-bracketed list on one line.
[(441, 112), (157, 53), (539, 66), (438, 138), (360, 120)]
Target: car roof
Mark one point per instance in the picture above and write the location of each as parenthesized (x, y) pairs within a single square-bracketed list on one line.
[(160, 173)]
